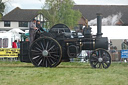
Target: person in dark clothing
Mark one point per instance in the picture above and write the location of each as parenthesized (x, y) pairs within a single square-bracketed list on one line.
[(39, 26), (32, 30), (18, 44), (39, 29), (124, 45)]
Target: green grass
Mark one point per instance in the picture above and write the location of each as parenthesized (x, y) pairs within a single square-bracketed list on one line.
[(67, 73)]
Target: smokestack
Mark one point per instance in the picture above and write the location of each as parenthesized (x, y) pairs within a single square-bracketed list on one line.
[(99, 23)]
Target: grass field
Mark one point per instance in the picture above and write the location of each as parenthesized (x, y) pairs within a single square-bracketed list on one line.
[(67, 73)]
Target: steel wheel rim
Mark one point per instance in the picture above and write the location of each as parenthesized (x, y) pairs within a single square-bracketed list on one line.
[(45, 52), (100, 58)]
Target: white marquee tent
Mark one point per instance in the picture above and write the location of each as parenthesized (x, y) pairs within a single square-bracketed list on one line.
[(15, 32), (11, 35), (113, 32)]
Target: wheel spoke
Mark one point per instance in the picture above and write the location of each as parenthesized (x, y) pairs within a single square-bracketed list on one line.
[(43, 41), (52, 61), (35, 57), (39, 49), (106, 63), (93, 60), (43, 61), (46, 63), (102, 52), (96, 63), (47, 45), (53, 58), (39, 62), (38, 53), (99, 53), (52, 52), (105, 60), (103, 65), (49, 62), (95, 57), (51, 48), (56, 55), (99, 65), (42, 45), (37, 44), (35, 51)]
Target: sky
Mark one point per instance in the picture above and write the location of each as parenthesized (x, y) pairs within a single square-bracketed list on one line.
[(37, 4)]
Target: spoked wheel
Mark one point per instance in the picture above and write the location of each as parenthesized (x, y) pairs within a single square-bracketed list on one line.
[(100, 58), (45, 52)]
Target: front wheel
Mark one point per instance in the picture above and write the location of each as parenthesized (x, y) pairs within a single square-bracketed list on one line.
[(100, 58)]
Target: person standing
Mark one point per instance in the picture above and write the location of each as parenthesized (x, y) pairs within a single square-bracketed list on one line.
[(18, 44), (14, 44), (32, 30), (124, 45)]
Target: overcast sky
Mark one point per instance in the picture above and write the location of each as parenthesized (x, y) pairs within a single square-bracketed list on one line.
[(37, 4)]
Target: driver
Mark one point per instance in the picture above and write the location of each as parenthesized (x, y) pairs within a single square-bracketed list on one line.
[(39, 26), (39, 29)]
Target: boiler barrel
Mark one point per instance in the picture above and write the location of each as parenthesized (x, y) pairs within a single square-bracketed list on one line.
[(92, 44), (101, 43)]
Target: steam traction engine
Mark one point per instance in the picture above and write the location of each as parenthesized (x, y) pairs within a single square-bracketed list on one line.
[(59, 43)]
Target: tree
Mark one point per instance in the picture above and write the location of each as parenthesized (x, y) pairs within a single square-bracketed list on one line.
[(61, 11), (2, 7)]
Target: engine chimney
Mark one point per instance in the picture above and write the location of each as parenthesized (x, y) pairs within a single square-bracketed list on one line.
[(99, 23)]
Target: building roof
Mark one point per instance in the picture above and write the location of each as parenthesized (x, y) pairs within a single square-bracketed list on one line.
[(21, 14), (90, 11)]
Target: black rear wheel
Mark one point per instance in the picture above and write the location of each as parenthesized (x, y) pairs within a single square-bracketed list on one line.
[(45, 52)]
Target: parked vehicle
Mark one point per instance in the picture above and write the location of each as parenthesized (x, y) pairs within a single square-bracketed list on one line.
[(59, 44)]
